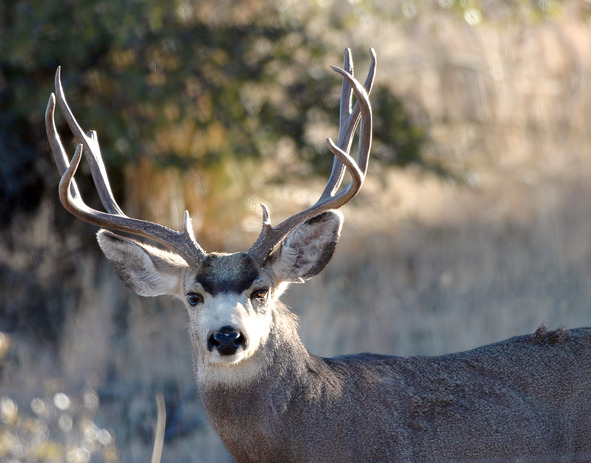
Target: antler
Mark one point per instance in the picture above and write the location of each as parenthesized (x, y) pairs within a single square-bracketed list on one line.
[(331, 197), (182, 243)]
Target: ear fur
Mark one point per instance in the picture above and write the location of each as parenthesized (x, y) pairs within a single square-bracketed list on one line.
[(307, 249), (147, 270)]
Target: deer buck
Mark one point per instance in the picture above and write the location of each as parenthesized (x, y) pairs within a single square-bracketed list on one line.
[(526, 399)]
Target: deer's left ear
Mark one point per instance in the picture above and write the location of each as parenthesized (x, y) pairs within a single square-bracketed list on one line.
[(307, 249)]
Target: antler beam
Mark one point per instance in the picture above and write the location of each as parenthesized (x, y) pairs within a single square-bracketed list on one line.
[(183, 243), (331, 197)]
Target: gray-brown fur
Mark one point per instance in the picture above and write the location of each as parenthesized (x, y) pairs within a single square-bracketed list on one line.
[(525, 399), (517, 400)]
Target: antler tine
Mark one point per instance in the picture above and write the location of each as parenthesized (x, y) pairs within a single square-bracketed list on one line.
[(92, 150), (271, 237), (59, 154), (183, 243), (349, 118)]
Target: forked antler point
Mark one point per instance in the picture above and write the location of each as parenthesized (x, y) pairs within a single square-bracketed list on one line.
[(331, 198), (183, 243)]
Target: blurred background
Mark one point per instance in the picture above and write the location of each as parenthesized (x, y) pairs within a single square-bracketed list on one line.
[(474, 224)]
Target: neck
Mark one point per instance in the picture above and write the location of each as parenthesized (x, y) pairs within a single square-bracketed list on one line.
[(248, 413), (256, 417)]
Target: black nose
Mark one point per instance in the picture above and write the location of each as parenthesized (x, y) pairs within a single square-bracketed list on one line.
[(226, 340)]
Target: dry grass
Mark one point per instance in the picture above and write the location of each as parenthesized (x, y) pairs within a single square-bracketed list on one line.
[(476, 266), (425, 266), (412, 288)]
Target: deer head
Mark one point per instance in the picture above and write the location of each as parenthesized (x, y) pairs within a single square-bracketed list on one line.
[(231, 298)]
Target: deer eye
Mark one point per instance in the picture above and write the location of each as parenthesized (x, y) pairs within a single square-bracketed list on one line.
[(194, 298), (260, 295)]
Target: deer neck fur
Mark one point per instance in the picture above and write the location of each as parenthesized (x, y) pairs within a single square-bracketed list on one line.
[(252, 411)]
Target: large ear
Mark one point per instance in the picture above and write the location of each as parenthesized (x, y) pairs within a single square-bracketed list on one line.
[(147, 270), (307, 249)]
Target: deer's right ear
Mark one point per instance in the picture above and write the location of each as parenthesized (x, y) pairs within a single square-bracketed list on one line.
[(307, 249), (147, 270)]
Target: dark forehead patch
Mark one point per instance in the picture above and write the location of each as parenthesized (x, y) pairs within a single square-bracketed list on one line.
[(226, 273)]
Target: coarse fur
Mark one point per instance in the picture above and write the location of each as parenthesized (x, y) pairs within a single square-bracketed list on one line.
[(525, 399)]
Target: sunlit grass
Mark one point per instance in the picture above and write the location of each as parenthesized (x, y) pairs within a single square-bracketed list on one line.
[(54, 428)]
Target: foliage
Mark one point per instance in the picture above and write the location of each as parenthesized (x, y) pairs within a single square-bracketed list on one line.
[(401, 140), (183, 83)]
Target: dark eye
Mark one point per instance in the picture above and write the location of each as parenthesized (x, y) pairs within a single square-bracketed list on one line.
[(194, 298), (260, 295)]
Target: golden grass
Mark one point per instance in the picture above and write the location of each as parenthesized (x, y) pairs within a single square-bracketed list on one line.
[(425, 265)]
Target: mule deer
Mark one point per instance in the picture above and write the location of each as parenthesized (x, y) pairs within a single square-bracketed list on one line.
[(525, 399)]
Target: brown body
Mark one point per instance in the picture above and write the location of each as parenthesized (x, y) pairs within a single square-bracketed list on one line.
[(526, 399)]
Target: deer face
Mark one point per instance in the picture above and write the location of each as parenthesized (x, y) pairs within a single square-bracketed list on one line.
[(229, 305), (230, 298)]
